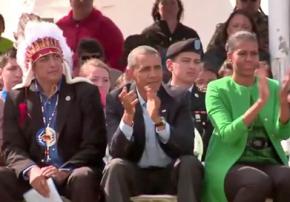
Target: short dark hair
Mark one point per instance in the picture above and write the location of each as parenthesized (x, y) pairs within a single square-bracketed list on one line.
[(140, 50), (225, 66), (222, 35), (89, 45), (156, 15), (207, 67), (133, 41), (2, 21), (4, 58)]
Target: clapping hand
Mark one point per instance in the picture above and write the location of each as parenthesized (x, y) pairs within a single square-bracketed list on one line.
[(285, 87), (129, 101), (284, 105), (263, 86), (153, 104)]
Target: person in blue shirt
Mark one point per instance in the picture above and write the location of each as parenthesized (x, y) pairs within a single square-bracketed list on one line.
[(150, 135), (10, 72)]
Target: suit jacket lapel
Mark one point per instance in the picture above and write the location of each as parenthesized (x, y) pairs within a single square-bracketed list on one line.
[(66, 97), (139, 124), (162, 94)]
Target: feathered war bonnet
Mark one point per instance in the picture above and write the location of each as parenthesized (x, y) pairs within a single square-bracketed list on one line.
[(40, 39)]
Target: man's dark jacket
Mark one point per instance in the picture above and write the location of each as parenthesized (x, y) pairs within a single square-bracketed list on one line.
[(174, 108), (81, 132)]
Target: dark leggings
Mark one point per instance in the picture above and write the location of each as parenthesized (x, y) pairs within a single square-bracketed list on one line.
[(252, 183)]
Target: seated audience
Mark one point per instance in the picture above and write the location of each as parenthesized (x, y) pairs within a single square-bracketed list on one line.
[(167, 28), (99, 74), (11, 73), (88, 49), (253, 8), (2, 162), (226, 69), (91, 48), (200, 115), (151, 134), (237, 21), (245, 160), (53, 126), (184, 63), (123, 79), (132, 42), (85, 21), (205, 76), (5, 44), (265, 65)]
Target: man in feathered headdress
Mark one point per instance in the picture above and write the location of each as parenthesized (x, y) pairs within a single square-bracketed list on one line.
[(53, 124)]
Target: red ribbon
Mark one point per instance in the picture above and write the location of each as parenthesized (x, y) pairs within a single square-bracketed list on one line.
[(22, 108)]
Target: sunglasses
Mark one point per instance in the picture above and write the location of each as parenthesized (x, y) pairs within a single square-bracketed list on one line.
[(87, 57), (166, 2), (245, 1)]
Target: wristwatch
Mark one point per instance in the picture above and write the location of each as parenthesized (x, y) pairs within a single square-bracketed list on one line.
[(161, 123)]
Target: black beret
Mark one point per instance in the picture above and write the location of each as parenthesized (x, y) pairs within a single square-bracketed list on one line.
[(188, 45)]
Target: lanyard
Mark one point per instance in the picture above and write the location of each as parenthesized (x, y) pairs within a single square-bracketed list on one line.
[(47, 122)]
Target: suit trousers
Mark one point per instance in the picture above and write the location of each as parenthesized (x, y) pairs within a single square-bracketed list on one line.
[(81, 186), (123, 179), (255, 183)]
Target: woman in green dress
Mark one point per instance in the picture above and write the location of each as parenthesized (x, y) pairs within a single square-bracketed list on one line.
[(245, 161), (5, 44)]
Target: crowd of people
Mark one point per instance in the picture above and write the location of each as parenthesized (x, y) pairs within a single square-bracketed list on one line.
[(108, 118)]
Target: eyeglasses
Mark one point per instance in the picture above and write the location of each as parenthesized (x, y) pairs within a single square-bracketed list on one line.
[(245, 1), (167, 2), (87, 57)]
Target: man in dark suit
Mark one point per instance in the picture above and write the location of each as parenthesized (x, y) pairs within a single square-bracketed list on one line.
[(150, 134), (53, 124)]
